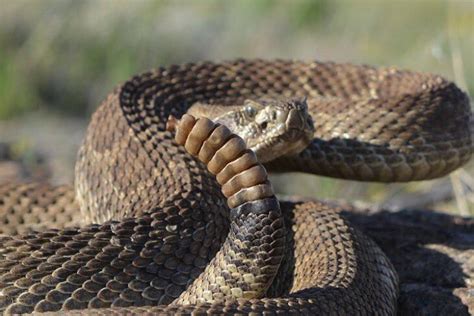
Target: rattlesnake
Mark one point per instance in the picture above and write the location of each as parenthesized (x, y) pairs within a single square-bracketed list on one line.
[(161, 217)]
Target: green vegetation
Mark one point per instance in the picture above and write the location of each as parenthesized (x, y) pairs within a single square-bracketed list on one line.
[(66, 55)]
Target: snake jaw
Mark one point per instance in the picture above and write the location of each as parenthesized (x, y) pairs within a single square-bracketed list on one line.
[(271, 127)]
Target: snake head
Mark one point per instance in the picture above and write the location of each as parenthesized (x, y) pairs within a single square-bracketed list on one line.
[(272, 127)]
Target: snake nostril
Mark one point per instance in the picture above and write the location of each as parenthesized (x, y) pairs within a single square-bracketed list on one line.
[(264, 125)]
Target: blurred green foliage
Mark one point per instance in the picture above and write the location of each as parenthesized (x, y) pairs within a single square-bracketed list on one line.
[(66, 55), (13, 99)]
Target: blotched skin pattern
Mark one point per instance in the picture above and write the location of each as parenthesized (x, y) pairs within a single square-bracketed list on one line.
[(36, 206), (169, 218), (239, 273)]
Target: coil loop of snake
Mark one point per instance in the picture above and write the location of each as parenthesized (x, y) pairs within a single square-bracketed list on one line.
[(179, 216)]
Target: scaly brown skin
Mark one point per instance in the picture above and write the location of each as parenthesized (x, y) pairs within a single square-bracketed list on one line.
[(238, 275), (28, 207), (408, 126)]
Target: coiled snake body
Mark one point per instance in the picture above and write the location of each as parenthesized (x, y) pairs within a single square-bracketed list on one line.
[(156, 233)]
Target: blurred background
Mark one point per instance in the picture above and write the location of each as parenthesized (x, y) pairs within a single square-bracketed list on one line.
[(60, 58)]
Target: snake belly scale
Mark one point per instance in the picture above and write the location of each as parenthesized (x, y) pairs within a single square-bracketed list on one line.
[(156, 234)]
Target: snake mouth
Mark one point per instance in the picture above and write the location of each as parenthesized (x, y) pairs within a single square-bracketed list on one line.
[(275, 147), (270, 127)]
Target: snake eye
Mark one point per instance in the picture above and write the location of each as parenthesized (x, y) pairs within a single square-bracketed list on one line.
[(250, 111)]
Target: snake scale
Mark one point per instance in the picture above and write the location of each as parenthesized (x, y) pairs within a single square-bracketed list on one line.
[(157, 234)]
